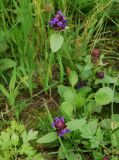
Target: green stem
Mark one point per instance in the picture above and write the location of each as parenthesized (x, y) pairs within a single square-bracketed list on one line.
[(49, 68), (63, 148), (59, 57), (49, 114)]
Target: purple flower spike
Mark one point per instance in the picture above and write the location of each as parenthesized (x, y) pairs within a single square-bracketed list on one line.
[(58, 22), (60, 126)]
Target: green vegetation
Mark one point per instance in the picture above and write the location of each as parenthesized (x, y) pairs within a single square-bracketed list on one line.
[(66, 68)]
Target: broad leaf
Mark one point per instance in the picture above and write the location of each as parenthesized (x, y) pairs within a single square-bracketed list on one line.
[(61, 89), (88, 66), (104, 96), (67, 93), (84, 91), (108, 79), (97, 140), (50, 137), (76, 124), (89, 129), (106, 124), (79, 100), (56, 41), (92, 107), (72, 156), (67, 108)]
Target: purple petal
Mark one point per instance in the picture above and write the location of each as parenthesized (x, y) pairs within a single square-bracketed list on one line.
[(62, 119), (56, 119), (59, 12), (67, 130), (53, 124), (55, 20), (63, 132), (60, 134), (51, 23), (60, 24)]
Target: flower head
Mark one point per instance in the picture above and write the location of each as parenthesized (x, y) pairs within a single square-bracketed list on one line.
[(100, 74), (60, 126), (95, 55), (80, 84), (58, 22)]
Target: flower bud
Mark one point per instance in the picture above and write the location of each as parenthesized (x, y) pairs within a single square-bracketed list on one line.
[(95, 55), (100, 75)]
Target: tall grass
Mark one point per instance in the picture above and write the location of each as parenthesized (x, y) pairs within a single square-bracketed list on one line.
[(25, 37)]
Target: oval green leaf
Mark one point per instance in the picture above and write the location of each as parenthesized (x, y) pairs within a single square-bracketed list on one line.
[(67, 108), (56, 41), (76, 124), (50, 137), (104, 96)]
